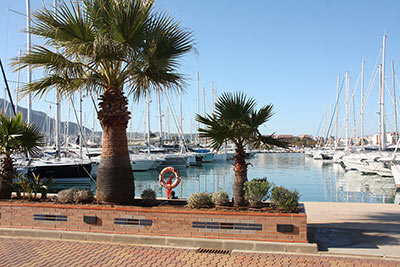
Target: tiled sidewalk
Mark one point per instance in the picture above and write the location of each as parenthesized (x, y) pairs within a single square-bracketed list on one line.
[(42, 252)]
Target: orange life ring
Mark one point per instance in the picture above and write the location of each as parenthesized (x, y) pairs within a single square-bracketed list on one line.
[(167, 185)]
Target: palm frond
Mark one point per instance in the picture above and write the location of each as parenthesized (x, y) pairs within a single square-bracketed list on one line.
[(18, 136), (232, 107), (101, 44), (131, 16), (68, 28), (216, 131), (31, 138), (65, 85), (236, 119), (256, 118), (52, 62), (270, 140), (157, 62)]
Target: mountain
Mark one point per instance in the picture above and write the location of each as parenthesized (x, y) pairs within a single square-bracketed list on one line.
[(44, 122)]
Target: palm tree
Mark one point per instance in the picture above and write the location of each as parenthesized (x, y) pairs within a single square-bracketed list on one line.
[(106, 46), (235, 119), (16, 137)]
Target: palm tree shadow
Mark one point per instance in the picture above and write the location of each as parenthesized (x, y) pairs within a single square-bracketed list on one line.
[(351, 238), (379, 229)]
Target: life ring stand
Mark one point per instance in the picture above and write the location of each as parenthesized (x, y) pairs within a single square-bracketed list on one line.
[(169, 185)]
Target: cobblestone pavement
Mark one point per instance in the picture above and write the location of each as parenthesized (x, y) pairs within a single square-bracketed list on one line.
[(43, 252)]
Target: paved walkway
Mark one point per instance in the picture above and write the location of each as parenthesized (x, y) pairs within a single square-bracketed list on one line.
[(365, 216), (42, 252), (355, 228)]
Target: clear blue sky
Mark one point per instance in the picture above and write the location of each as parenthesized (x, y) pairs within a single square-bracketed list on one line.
[(287, 53)]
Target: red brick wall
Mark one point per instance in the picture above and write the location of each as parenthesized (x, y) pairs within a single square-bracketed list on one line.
[(164, 222)]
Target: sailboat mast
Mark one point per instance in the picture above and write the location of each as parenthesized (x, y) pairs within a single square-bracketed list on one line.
[(17, 89), (80, 123), (362, 105), (337, 110), (330, 131), (181, 110), (380, 107), (395, 105), (160, 115), (383, 94), (28, 51), (204, 104), (58, 110), (213, 95), (347, 110), (325, 128), (198, 105), (204, 101), (148, 121)]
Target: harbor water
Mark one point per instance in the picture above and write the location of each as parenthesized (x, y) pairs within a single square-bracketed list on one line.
[(315, 180)]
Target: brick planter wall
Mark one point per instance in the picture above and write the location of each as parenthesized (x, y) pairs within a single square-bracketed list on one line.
[(158, 222)]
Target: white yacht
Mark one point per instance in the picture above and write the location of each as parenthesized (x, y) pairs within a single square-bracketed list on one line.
[(369, 162), (220, 156), (177, 160), (142, 162), (396, 172), (65, 170)]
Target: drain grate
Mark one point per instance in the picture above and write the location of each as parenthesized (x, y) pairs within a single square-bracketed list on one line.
[(214, 251)]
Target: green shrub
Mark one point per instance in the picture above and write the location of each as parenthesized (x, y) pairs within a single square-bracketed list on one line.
[(285, 199), (257, 190), (148, 196), (200, 200), (29, 185), (83, 196), (220, 198), (75, 196)]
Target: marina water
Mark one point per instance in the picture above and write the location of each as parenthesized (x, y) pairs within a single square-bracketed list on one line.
[(315, 180)]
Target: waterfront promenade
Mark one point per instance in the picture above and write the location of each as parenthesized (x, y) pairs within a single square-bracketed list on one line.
[(39, 252), (355, 228), (349, 234)]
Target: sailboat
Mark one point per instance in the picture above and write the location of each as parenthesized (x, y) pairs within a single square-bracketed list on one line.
[(63, 170), (374, 162)]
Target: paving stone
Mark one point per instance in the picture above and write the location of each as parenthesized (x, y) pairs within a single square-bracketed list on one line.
[(179, 242), (99, 237), (270, 246), (6, 232), (49, 234), (25, 232), (238, 245), (73, 235), (46, 252), (208, 243), (302, 248)]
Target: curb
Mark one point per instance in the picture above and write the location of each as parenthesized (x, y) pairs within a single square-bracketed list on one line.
[(164, 241)]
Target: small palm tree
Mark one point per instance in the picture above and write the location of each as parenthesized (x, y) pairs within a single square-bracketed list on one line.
[(16, 137), (235, 119), (108, 47)]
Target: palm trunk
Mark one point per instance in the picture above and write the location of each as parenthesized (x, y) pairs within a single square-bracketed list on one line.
[(240, 168), (6, 175), (115, 182)]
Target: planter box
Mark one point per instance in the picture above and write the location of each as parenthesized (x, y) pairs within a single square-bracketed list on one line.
[(157, 221)]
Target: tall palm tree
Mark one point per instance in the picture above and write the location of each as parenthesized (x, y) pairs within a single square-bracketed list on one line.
[(235, 119), (16, 137), (106, 46)]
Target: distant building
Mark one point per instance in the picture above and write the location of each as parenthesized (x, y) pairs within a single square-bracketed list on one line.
[(390, 138), (285, 136), (305, 137)]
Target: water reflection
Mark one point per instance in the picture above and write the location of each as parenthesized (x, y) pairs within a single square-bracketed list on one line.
[(354, 187), (315, 180)]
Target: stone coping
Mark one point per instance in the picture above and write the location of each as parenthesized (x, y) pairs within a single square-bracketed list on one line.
[(259, 246), (154, 210)]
